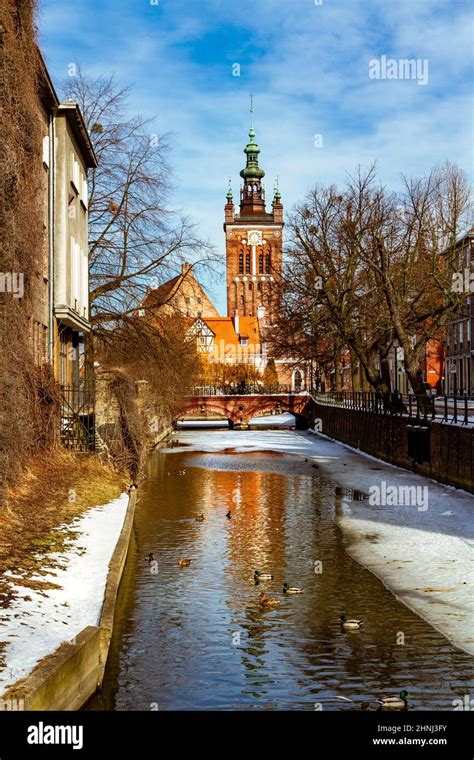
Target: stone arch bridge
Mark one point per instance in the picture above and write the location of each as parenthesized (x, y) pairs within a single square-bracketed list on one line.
[(238, 410)]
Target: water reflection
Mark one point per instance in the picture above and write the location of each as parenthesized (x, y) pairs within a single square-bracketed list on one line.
[(196, 637)]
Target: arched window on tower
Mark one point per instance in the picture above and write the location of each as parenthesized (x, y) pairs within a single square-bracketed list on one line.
[(247, 263), (268, 263), (241, 263), (242, 300), (260, 264)]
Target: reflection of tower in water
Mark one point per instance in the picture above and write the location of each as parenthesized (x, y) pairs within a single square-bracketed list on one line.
[(255, 540), (257, 501)]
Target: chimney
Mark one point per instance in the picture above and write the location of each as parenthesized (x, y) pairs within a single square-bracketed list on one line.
[(236, 322), (185, 268)]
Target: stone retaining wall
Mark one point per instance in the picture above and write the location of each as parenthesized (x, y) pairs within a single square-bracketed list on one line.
[(386, 437)]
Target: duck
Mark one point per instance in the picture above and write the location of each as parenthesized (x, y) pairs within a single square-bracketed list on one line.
[(287, 589), (131, 487), (200, 518), (229, 515), (150, 557), (184, 562), (258, 576), (267, 601), (350, 625), (394, 703)]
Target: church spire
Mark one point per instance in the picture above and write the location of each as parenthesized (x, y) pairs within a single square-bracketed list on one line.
[(252, 195)]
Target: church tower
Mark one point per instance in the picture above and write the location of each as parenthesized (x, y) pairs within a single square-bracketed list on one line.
[(253, 244)]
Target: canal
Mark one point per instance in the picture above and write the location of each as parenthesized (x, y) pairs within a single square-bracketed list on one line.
[(196, 638)]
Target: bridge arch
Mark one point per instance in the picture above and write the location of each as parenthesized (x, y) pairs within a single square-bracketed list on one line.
[(240, 409), (204, 409)]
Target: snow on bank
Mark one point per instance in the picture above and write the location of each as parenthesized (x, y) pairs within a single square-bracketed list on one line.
[(35, 626), (424, 556)]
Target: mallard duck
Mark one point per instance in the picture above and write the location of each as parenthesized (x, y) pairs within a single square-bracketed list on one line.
[(350, 625), (394, 703), (287, 589), (184, 562), (258, 576), (229, 515), (267, 601), (200, 518), (150, 557)]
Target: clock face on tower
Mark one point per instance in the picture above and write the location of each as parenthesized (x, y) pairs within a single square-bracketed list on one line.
[(254, 237)]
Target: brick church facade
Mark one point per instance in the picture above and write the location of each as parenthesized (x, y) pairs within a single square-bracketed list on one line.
[(254, 259)]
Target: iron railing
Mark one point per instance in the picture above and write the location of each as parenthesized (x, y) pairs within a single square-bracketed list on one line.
[(456, 409), (243, 389), (78, 417)]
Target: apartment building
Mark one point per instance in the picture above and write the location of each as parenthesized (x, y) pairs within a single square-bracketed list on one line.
[(67, 156)]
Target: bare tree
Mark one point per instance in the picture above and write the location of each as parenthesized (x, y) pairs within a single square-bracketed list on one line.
[(136, 241), (414, 258), (368, 267)]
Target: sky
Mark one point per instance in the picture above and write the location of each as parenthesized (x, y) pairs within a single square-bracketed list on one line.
[(318, 114)]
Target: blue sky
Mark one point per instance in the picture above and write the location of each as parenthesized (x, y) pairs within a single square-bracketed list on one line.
[(307, 64)]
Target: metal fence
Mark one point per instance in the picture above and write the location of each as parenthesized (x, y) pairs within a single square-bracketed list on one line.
[(243, 389), (78, 417), (456, 409)]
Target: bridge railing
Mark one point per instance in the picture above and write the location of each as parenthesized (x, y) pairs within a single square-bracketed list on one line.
[(242, 389)]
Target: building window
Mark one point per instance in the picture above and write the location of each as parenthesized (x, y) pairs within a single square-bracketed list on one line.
[(297, 380), (242, 300), (75, 175), (46, 151), (241, 263), (268, 263), (260, 264), (247, 263), (250, 286), (244, 341)]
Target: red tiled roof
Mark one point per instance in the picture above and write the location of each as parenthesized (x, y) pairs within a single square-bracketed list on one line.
[(223, 329)]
